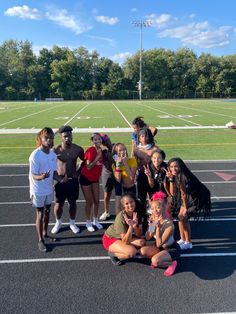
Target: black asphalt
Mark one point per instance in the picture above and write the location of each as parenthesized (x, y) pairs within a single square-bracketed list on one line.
[(52, 282)]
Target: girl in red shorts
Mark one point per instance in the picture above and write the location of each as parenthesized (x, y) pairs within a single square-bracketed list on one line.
[(123, 238)]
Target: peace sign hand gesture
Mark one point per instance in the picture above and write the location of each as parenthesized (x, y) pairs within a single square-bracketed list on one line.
[(147, 170), (169, 174)]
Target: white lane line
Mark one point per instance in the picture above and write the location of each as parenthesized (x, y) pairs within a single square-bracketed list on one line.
[(126, 120), (26, 186), (113, 200), (171, 115), (14, 175), (195, 171), (29, 115), (67, 122), (208, 254), (214, 170), (98, 258), (15, 187), (108, 222)]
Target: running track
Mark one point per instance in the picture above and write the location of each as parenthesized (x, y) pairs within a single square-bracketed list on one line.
[(76, 276)]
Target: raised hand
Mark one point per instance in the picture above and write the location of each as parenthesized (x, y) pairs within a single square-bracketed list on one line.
[(168, 173), (147, 170)]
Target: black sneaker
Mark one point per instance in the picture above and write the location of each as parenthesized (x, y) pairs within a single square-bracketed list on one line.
[(115, 260), (42, 246)]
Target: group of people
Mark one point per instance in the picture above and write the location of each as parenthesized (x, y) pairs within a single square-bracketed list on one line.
[(149, 193)]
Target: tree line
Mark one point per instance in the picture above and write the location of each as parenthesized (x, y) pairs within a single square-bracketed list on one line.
[(80, 74)]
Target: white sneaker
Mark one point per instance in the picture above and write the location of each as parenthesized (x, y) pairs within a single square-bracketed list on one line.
[(74, 228), (97, 224), (56, 228), (104, 216), (186, 246), (180, 242), (89, 226)]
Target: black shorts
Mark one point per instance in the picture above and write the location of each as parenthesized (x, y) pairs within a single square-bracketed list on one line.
[(84, 181), (68, 190), (108, 182), (131, 189), (174, 251)]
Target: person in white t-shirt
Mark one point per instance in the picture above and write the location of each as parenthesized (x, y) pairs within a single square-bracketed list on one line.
[(42, 170)]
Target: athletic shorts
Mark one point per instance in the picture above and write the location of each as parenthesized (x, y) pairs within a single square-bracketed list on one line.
[(108, 180), (131, 189), (84, 181), (42, 201), (174, 251), (68, 190), (107, 241)]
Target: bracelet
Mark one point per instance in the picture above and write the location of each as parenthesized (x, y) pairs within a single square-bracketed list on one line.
[(172, 180)]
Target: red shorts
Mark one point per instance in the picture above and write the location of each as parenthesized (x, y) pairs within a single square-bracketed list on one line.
[(106, 241)]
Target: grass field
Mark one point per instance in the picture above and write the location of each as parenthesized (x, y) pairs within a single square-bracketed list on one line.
[(190, 129)]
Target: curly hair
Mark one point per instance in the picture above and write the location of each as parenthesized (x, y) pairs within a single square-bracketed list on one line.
[(44, 132)]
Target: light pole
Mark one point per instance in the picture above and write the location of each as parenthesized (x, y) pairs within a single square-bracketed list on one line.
[(141, 24)]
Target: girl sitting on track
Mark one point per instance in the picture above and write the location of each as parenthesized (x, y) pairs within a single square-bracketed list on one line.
[(190, 198), (123, 239), (165, 252)]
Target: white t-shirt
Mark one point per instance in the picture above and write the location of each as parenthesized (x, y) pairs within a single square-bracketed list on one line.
[(40, 162)]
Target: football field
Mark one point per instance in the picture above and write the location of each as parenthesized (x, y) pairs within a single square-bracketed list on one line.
[(190, 129)]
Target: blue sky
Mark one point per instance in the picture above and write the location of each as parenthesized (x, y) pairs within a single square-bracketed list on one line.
[(207, 26)]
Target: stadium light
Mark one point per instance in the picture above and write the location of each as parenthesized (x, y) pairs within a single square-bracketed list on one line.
[(141, 24)]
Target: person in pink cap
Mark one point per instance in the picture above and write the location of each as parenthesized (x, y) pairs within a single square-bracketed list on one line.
[(165, 251)]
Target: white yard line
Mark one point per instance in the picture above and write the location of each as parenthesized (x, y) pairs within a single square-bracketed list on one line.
[(67, 122), (171, 115), (27, 116), (205, 111), (126, 120)]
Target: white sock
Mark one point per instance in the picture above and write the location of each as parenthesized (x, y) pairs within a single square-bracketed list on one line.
[(58, 221), (72, 222)]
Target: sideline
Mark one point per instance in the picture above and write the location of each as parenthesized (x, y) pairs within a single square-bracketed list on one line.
[(110, 130)]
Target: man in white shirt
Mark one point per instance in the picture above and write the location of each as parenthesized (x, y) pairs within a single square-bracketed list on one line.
[(42, 169)]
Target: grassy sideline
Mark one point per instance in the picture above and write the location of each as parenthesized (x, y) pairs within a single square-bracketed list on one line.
[(189, 144)]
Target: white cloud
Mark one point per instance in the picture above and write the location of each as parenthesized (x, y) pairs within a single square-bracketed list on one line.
[(109, 41), (134, 10), (107, 19), (160, 21), (62, 18), (120, 57), (199, 34), (24, 12), (192, 16)]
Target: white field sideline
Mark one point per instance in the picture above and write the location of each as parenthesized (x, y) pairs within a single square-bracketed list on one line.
[(111, 130)]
